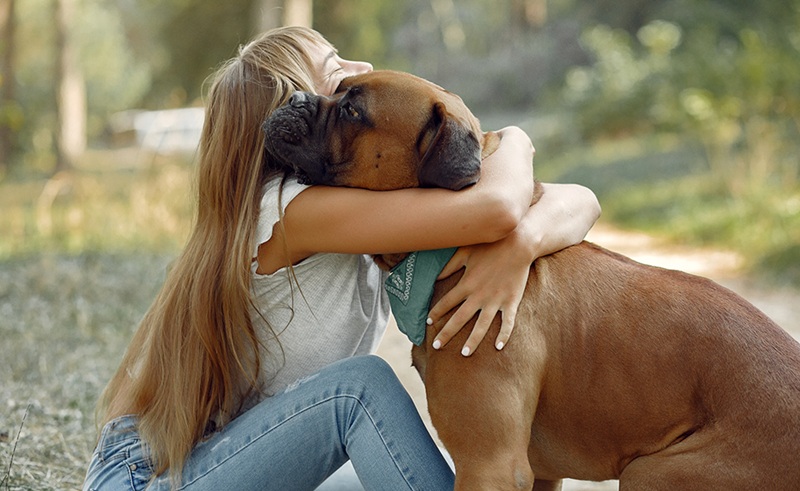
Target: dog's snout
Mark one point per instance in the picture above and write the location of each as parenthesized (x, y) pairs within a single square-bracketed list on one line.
[(298, 99)]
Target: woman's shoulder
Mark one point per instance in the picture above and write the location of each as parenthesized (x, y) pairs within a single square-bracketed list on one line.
[(277, 190), (285, 188)]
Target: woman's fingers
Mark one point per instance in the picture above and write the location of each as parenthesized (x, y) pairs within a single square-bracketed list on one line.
[(478, 332), (494, 281), (506, 327), (454, 324), (448, 302), (458, 261)]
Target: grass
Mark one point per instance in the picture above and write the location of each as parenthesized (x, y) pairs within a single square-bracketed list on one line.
[(65, 321), (82, 256)]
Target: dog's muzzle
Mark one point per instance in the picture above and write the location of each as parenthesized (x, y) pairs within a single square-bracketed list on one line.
[(291, 135), (291, 124)]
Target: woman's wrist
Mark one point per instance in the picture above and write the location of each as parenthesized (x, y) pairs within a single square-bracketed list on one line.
[(562, 217), (507, 174), (529, 237)]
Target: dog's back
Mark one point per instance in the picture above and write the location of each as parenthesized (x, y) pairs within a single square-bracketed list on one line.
[(636, 368)]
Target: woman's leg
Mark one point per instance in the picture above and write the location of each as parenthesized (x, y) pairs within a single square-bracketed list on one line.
[(346, 479), (355, 409)]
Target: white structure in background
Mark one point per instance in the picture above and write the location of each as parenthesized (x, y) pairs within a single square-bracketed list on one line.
[(164, 132)]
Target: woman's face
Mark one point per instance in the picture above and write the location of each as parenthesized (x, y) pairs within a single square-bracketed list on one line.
[(329, 69)]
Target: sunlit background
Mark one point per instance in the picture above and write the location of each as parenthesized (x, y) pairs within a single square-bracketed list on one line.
[(682, 115)]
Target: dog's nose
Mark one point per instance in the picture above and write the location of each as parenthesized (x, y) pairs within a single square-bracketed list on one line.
[(298, 99)]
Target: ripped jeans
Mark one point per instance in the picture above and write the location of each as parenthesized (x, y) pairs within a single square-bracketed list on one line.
[(353, 409)]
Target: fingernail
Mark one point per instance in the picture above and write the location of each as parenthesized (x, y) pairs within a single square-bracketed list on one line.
[(465, 351), (429, 321), (500, 345), (437, 344)]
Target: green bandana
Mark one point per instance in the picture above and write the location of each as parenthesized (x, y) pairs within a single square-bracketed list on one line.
[(410, 288)]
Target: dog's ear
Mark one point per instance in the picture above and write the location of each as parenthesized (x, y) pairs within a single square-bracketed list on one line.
[(453, 158)]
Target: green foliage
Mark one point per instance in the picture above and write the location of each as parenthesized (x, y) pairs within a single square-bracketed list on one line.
[(116, 79), (719, 77), (194, 37), (732, 87), (361, 29), (628, 88)]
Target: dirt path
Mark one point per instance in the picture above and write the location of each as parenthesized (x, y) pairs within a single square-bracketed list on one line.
[(724, 267)]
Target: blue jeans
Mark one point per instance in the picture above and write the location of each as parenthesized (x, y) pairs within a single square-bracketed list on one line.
[(354, 409)]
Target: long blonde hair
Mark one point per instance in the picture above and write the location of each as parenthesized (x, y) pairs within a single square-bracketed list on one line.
[(195, 356)]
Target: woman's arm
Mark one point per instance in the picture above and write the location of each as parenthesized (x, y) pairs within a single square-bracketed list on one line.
[(562, 217), (346, 220), (496, 274)]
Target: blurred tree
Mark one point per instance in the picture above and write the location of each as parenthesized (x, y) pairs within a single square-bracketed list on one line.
[(70, 91), (732, 85), (274, 13), (528, 14), (9, 112), (268, 14), (449, 23), (363, 29), (297, 13), (499, 56), (113, 58)]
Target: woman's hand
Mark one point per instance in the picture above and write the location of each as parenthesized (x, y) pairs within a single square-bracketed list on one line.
[(495, 274), (494, 280)]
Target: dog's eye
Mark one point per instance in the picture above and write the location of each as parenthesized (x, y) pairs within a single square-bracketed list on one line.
[(351, 111)]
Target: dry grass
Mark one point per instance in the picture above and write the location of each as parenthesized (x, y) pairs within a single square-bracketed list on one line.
[(65, 322), (67, 314), (115, 201)]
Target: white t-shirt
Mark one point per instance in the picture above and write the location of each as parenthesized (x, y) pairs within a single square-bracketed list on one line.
[(335, 309)]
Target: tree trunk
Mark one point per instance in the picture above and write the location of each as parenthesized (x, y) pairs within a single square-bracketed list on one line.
[(298, 13), (527, 15), (70, 90), (276, 13), (453, 34), (7, 77), (267, 14)]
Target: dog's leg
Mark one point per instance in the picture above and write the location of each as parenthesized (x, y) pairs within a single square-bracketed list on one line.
[(482, 408), (486, 434), (709, 459)]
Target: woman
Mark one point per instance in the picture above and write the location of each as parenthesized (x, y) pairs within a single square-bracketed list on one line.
[(243, 374)]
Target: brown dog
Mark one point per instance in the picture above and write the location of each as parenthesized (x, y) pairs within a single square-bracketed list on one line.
[(615, 370)]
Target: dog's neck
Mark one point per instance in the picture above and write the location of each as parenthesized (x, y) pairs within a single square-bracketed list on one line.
[(388, 261), (489, 143)]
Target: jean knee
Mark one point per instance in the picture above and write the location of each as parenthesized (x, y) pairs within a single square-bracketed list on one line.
[(373, 372), (370, 363)]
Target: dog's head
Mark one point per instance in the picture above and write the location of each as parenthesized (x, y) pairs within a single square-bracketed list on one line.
[(381, 130)]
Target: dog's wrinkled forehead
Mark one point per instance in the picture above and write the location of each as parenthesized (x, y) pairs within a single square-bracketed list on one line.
[(405, 97)]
